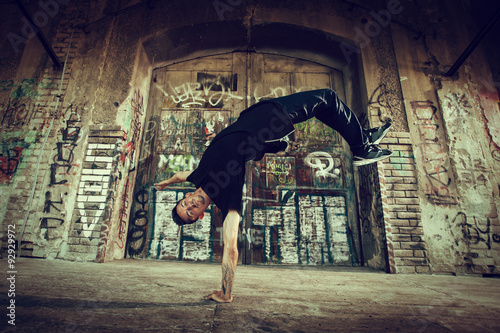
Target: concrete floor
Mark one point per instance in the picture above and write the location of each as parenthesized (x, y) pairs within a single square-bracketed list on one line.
[(166, 296)]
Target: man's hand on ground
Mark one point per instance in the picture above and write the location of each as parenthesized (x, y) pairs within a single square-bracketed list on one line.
[(219, 297)]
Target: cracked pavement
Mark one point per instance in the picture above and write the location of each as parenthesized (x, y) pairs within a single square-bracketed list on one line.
[(167, 296)]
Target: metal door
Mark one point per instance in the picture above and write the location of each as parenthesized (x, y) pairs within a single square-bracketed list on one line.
[(298, 205)]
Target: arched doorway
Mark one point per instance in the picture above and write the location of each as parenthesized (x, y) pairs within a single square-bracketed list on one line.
[(300, 207)]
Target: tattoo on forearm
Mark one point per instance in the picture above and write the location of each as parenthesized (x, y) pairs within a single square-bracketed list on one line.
[(227, 278)]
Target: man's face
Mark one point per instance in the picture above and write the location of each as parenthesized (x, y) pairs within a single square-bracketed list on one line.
[(191, 207)]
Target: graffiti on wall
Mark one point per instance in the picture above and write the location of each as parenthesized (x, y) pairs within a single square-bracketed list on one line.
[(130, 142), (270, 238), (478, 235), (26, 88), (475, 226), (142, 205), (323, 164), (305, 229), (472, 172), (138, 224), (209, 91), (436, 163), (94, 195), (183, 137), (177, 135), (10, 158), (385, 101), (63, 158), (104, 184), (279, 171), (62, 169), (20, 110), (314, 232), (123, 216), (134, 122), (107, 170), (214, 91)]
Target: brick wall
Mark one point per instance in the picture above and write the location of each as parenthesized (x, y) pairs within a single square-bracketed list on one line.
[(406, 248), (30, 109)]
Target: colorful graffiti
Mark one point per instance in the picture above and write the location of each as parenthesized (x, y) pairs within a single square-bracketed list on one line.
[(181, 138), (26, 88), (20, 110), (10, 158), (123, 217), (314, 232), (279, 171), (177, 134)]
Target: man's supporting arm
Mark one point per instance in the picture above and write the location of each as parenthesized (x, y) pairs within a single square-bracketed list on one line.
[(229, 258)]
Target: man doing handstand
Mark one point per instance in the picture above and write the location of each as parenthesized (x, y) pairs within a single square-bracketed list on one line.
[(262, 128)]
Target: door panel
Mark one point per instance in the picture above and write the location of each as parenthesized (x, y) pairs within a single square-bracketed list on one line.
[(298, 204), (299, 199)]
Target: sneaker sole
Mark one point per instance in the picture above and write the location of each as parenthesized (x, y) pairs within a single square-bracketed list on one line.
[(382, 136), (371, 160)]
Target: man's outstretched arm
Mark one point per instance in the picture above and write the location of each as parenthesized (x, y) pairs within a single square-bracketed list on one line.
[(229, 259), (179, 177)]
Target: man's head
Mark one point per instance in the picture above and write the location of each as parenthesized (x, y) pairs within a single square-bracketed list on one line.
[(189, 209)]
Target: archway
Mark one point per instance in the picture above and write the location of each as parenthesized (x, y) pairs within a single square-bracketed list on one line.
[(215, 88)]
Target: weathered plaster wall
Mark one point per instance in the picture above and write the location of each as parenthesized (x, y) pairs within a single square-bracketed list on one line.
[(434, 204), (453, 140)]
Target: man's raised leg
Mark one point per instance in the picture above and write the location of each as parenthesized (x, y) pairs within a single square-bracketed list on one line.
[(338, 116)]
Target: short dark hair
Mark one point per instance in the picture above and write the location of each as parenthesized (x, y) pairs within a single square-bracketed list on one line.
[(177, 219)]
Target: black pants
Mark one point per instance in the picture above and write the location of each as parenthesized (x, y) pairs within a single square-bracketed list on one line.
[(338, 116)]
